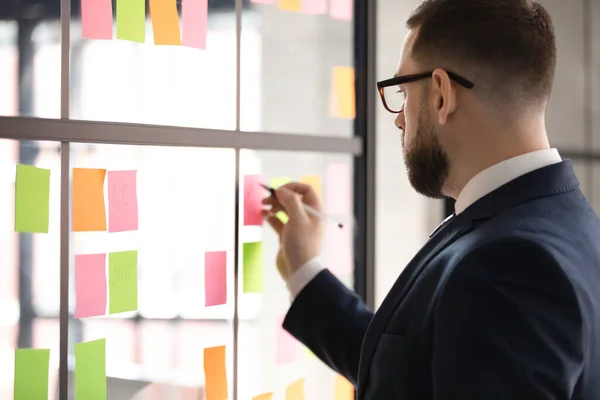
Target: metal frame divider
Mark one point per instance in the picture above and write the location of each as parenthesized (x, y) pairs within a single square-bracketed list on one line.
[(365, 20), (66, 131), (65, 184)]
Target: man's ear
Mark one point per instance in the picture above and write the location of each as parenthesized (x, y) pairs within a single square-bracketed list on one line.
[(444, 96)]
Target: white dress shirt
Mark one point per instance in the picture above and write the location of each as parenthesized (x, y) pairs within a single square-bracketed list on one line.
[(481, 184)]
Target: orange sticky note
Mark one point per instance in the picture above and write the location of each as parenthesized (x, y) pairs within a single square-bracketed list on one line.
[(215, 373), (165, 22), (344, 390), (315, 182), (266, 396), (89, 213), (290, 5), (295, 391), (343, 96)]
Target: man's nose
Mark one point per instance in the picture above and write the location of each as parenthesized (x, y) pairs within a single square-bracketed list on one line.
[(400, 122)]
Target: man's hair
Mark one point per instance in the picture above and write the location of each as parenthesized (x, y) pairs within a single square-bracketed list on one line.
[(507, 48)]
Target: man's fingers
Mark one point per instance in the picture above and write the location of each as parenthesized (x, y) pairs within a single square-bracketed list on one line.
[(308, 194), (275, 223), (275, 207), (291, 202), (269, 201)]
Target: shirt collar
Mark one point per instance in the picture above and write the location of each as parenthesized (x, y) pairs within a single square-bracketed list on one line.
[(499, 174)]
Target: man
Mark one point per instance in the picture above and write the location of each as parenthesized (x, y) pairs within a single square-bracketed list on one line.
[(503, 301)]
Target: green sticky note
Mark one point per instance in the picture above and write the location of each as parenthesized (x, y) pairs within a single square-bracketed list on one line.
[(31, 374), (278, 182), (310, 354), (131, 20), (122, 279), (253, 267), (275, 183), (32, 199), (90, 370)]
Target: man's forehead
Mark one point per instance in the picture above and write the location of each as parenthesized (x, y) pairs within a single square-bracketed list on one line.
[(406, 62)]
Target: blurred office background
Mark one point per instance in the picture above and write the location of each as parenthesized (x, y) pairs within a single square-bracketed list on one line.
[(286, 81)]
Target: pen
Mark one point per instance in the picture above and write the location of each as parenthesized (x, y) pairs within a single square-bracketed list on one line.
[(307, 208)]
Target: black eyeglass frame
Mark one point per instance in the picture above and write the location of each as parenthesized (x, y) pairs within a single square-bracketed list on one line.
[(399, 80)]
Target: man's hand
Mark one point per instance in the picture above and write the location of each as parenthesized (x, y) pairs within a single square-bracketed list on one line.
[(301, 237)]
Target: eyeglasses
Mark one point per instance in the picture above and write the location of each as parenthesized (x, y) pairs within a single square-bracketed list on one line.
[(393, 99)]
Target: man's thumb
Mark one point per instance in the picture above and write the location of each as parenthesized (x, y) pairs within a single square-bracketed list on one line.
[(291, 202)]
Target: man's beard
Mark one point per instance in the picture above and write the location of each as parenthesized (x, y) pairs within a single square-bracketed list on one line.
[(426, 162)]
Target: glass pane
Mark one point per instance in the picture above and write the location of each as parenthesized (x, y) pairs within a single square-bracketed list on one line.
[(30, 72), (583, 170), (594, 194), (296, 70), (566, 111), (402, 215), (186, 203), (595, 83), (8, 68), (268, 359), (123, 81), (29, 262)]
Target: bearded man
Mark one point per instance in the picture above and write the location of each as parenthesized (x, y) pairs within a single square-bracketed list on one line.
[(503, 301)]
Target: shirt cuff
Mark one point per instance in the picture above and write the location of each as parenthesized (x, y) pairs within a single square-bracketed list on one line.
[(303, 276)]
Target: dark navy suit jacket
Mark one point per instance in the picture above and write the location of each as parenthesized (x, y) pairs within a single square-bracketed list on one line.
[(503, 302)]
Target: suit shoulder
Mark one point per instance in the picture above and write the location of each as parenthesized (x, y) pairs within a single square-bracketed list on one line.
[(514, 262)]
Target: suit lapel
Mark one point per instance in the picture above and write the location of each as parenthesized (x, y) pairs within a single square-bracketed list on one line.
[(441, 238)]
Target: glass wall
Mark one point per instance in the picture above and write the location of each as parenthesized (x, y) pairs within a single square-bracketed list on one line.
[(291, 66), (29, 296), (405, 219)]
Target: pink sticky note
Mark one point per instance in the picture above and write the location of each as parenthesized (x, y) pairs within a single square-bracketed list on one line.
[(341, 9), (338, 190), (194, 22), (90, 285), (96, 19), (314, 7), (286, 344), (253, 195), (338, 249), (215, 278), (122, 201)]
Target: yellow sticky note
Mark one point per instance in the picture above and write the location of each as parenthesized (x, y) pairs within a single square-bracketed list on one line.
[(31, 374), (122, 281), (295, 391), (344, 390), (165, 22), (310, 354), (131, 20), (32, 199), (290, 5), (266, 396), (315, 182), (215, 373), (253, 272), (343, 97), (276, 183), (89, 212), (90, 370)]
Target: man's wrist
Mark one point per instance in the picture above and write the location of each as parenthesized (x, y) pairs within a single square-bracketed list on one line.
[(303, 275)]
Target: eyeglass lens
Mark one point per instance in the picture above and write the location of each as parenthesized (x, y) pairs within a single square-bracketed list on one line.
[(394, 98)]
